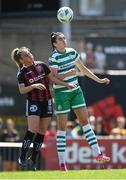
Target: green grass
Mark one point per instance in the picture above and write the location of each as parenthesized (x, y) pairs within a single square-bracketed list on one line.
[(80, 174)]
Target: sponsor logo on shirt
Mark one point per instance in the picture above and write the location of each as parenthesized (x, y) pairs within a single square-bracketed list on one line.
[(39, 68), (35, 79)]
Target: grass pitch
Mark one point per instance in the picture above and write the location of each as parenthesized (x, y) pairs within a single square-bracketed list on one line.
[(80, 174)]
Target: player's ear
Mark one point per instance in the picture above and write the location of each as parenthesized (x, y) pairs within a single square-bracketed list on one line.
[(22, 61), (54, 44)]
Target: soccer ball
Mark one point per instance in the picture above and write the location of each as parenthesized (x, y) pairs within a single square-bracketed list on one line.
[(65, 14)]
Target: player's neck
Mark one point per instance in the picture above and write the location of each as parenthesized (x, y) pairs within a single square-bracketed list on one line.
[(61, 50)]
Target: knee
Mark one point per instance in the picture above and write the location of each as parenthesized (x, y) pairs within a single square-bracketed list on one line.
[(33, 130), (62, 127)]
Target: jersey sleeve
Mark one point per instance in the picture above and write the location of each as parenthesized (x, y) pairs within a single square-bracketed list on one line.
[(52, 62), (20, 78), (77, 56), (47, 70)]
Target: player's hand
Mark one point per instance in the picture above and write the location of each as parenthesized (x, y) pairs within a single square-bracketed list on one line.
[(71, 85), (39, 86), (105, 81), (72, 72)]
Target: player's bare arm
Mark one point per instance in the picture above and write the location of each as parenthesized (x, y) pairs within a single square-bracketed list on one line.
[(85, 71), (54, 79), (25, 89), (71, 72)]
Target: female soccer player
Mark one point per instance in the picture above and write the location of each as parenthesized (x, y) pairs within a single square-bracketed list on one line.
[(62, 60), (33, 80)]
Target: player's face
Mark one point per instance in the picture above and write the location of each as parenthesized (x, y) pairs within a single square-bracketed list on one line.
[(61, 42), (26, 57)]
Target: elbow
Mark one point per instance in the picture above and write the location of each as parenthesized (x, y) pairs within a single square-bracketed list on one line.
[(53, 79), (22, 92)]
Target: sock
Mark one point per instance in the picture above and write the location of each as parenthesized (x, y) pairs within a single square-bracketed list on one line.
[(37, 143), (61, 145), (91, 138), (26, 144)]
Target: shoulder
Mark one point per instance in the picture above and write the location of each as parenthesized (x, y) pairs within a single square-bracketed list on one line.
[(41, 63), (53, 55), (19, 73), (70, 50), (38, 62)]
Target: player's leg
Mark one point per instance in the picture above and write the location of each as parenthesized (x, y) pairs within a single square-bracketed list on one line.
[(79, 107), (90, 136), (46, 113), (61, 140), (39, 137), (33, 126), (33, 117), (62, 108)]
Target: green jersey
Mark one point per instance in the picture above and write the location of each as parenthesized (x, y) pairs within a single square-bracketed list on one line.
[(64, 62)]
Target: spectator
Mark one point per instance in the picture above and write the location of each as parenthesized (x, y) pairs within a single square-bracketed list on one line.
[(90, 111), (83, 57), (120, 129), (9, 155), (92, 121), (69, 127), (77, 131), (121, 64), (74, 129), (1, 127), (51, 132), (90, 63), (99, 127), (100, 58), (1, 122)]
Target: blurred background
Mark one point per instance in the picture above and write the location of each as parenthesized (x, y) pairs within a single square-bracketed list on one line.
[(98, 33)]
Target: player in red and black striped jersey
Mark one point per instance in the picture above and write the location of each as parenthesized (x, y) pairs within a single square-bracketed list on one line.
[(36, 73), (33, 80)]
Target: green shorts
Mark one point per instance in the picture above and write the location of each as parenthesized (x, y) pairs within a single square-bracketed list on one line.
[(64, 101)]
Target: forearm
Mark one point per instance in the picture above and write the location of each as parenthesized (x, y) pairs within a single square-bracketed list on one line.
[(71, 72), (25, 90), (61, 76), (85, 71), (58, 81), (91, 75)]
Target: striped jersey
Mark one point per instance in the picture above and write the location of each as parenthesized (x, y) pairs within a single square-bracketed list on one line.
[(64, 62), (37, 73)]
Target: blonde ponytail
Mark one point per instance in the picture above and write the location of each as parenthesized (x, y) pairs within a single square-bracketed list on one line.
[(15, 56)]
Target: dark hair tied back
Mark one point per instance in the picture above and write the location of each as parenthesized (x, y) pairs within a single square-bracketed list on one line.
[(53, 39)]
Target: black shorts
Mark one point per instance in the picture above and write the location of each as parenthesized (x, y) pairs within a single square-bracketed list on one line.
[(42, 109)]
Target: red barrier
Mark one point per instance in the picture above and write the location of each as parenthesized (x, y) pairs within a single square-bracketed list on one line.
[(80, 156)]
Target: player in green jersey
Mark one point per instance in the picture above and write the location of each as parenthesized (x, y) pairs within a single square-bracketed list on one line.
[(62, 62)]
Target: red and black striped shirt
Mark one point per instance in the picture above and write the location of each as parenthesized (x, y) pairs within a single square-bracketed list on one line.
[(37, 73)]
